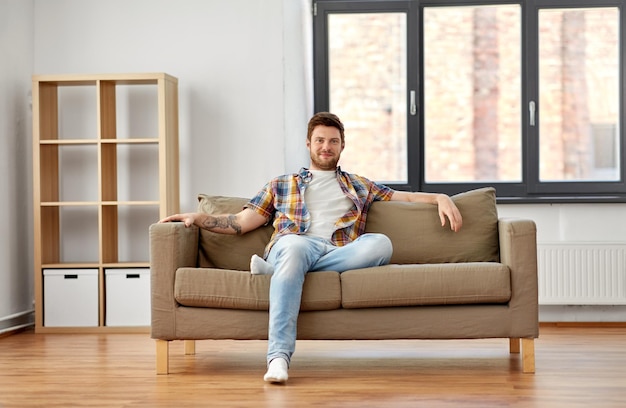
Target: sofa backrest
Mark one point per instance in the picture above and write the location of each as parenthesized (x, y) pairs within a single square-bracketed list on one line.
[(414, 229), (229, 251), (418, 237)]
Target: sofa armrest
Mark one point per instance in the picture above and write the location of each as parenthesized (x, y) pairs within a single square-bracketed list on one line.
[(172, 246), (518, 250)]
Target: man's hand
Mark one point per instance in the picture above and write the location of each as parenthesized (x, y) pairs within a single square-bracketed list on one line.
[(447, 209), (188, 218)]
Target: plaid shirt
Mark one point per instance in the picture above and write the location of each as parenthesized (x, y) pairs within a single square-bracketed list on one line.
[(283, 199)]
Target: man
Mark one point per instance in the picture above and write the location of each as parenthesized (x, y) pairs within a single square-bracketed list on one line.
[(319, 220)]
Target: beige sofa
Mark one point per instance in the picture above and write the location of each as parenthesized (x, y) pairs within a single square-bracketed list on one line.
[(478, 283)]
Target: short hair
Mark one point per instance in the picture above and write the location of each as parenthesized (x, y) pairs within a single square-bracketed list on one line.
[(325, 119)]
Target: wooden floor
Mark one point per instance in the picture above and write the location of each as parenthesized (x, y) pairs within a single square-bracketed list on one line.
[(576, 367)]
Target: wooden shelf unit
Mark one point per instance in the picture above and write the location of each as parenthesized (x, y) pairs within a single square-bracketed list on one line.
[(94, 154)]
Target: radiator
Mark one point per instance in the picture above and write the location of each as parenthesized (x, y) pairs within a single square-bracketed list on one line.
[(582, 274)]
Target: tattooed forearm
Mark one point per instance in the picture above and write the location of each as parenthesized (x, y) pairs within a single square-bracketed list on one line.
[(222, 222)]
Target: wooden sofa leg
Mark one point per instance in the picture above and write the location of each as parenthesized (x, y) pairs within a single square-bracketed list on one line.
[(190, 347), (162, 357), (514, 345), (528, 355)]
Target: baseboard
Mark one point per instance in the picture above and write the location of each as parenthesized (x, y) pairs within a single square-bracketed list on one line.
[(582, 313), (584, 324), (16, 322)]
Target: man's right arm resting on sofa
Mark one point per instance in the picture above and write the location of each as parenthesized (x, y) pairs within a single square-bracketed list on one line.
[(233, 224)]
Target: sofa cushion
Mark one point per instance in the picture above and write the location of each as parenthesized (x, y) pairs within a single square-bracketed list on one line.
[(229, 251), (418, 237), (438, 284), (224, 289)]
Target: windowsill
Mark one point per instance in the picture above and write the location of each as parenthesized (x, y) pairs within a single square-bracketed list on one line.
[(564, 199)]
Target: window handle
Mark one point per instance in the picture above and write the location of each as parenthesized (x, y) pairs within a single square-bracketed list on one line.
[(413, 106), (531, 110)]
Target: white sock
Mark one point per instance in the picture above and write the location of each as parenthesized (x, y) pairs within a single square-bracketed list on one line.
[(277, 371), (258, 266)]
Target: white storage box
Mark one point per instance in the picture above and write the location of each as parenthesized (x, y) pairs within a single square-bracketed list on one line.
[(70, 297), (127, 297)]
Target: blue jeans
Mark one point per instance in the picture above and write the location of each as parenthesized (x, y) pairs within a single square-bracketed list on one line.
[(292, 256)]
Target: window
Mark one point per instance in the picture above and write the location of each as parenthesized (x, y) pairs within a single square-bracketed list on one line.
[(448, 96), (370, 97), (472, 94), (579, 97)]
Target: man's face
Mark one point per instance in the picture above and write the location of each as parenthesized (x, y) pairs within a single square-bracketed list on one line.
[(325, 147)]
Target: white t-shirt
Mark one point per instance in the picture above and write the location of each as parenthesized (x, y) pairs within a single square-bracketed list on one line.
[(326, 203)]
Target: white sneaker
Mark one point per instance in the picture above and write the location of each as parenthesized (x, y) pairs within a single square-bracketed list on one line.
[(277, 371)]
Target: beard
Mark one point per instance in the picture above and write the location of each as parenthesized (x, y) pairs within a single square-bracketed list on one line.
[(324, 164)]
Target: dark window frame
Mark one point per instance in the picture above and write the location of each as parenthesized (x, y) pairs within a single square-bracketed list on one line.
[(530, 189)]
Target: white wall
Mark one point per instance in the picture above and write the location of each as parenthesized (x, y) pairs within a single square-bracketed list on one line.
[(573, 223), (16, 277), (242, 101)]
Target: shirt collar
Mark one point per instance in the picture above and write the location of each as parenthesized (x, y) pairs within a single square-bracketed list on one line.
[(306, 176)]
